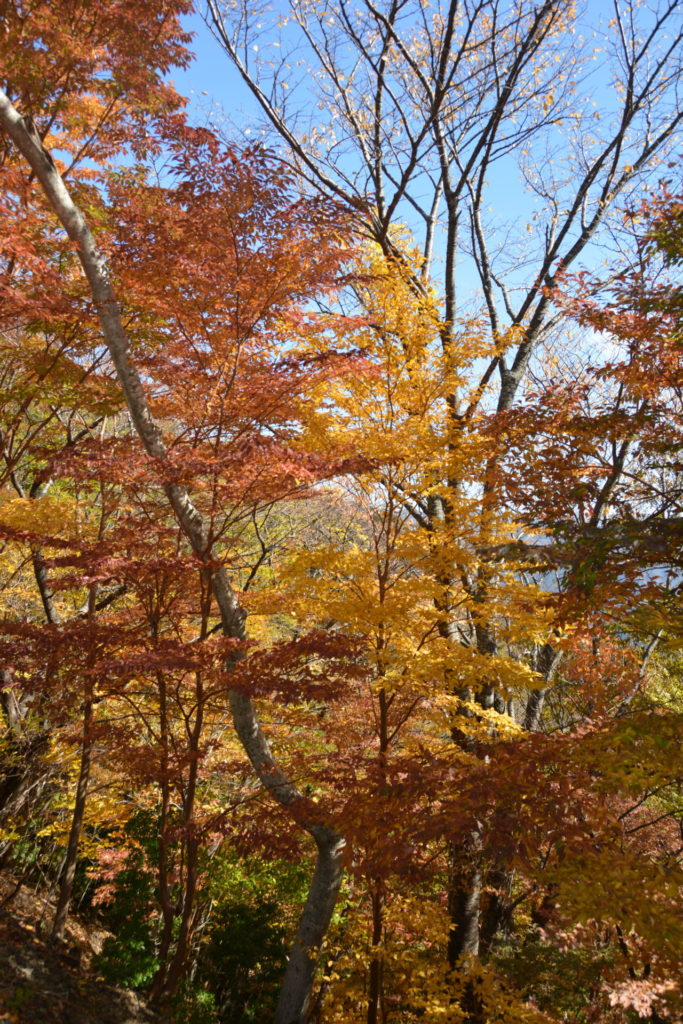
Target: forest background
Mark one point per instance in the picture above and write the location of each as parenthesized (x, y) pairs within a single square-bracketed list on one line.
[(341, 506)]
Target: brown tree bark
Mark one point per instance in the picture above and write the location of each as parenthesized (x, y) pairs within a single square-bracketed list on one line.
[(68, 871)]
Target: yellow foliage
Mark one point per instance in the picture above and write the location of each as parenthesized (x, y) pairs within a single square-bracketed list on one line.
[(53, 515), (415, 972)]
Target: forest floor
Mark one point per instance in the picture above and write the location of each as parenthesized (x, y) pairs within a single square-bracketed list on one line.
[(46, 983)]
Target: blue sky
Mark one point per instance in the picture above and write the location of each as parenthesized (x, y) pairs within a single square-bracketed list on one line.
[(218, 96), (211, 83)]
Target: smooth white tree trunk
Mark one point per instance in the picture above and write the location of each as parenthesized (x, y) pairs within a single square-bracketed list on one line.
[(295, 992)]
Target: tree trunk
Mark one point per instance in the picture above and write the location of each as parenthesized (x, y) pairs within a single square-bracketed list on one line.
[(177, 968), (497, 909), (169, 980), (546, 660), (293, 1003), (68, 872), (167, 909), (375, 987), (464, 904)]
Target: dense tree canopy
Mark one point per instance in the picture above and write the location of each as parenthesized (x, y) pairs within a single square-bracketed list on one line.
[(341, 630)]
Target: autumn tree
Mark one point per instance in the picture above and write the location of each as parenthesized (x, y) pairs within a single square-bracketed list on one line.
[(231, 431), (459, 669), (422, 107), (71, 68), (419, 112), (577, 551), (386, 579)]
